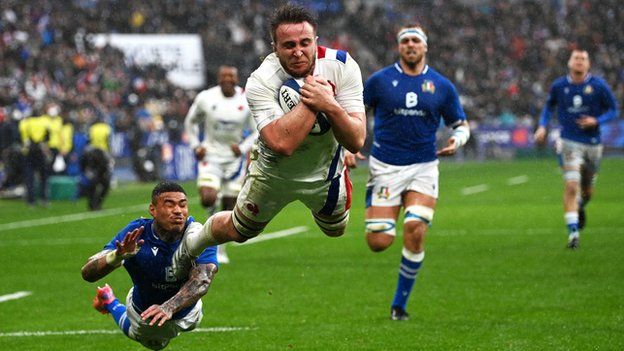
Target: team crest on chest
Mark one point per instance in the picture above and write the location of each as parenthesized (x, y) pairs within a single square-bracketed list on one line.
[(428, 87), (588, 90)]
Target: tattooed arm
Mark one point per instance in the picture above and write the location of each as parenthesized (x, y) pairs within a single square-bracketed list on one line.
[(197, 286), (106, 261)]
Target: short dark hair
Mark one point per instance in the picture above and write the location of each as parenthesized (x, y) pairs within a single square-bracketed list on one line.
[(166, 187), (290, 13)]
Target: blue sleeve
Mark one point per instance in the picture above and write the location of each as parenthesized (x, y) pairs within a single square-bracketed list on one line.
[(370, 91), (209, 255), (452, 110), (547, 111), (610, 104), (122, 233)]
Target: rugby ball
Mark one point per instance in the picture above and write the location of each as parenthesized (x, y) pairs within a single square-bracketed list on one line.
[(289, 97)]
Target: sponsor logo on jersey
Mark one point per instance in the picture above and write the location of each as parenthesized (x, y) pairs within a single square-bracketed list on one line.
[(588, 90), (395, 83), (155, 251), (428, 87)]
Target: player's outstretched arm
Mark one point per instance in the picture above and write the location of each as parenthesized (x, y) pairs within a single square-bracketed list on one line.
[(197, 286), (106, 261)]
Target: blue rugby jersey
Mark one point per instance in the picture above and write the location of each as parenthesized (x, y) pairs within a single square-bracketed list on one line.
[(150, 270), (408, 112), (592, 97)]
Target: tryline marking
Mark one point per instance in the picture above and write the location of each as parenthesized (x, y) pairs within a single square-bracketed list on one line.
[(475, 189), (275, 235), (15, 296), (72, 217), (518, 180), (111, 331)]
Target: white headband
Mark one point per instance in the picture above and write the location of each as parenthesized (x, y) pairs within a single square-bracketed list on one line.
[(412, 32)]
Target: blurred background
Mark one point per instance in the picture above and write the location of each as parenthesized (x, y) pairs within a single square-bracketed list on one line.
[(136, 66)]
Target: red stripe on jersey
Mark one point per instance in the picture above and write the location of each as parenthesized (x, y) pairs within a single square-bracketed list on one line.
[(320, 52), (349, 188)]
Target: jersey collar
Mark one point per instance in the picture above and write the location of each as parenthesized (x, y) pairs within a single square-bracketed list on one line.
[(398, 68), (587, 78)]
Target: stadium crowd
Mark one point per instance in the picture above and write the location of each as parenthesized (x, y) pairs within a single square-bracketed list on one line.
[(501, 54)]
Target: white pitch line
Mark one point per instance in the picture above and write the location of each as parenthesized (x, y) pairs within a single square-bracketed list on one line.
[(475, 189), (71, 218), (526, 231), (275, 235), (110, 331), (15, 296), (518, 180)]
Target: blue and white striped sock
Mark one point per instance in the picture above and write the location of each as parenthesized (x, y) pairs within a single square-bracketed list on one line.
[(118, 310), (410, 265)]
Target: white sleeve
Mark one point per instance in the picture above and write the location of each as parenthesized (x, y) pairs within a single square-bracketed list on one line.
[(350, 93), (262, 102), (191, 122)]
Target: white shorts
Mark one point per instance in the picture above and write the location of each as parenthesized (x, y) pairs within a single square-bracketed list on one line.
[(387, 183), (578, 156), (263, 197), (226, 177), (155, 337)]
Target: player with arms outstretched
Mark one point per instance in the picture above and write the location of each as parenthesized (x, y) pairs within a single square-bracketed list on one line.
[(222, 155), (159, 306), (583, 102), (409, 99), (291, 163)]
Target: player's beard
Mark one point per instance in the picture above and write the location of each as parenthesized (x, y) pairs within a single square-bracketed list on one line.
[(412, 63), (308, 71)]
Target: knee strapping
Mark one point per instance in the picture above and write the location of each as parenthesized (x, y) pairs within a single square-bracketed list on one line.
[(572, 175), (418, 213), (332, 225), (381, 226), (246, 227)]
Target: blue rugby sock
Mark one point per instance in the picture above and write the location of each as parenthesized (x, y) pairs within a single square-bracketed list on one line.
[(118, 311), (410, 264)]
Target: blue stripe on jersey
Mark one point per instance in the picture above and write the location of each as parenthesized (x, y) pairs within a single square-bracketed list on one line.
[(332, 197), (238, 171), (369, 196), (341, 56), (334, 164)]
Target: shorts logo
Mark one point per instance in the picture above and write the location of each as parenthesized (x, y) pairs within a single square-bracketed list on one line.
[(253, 208), (383, 193)]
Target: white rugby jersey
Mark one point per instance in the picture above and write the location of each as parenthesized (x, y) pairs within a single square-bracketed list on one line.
[(225, 119), (319, 157)]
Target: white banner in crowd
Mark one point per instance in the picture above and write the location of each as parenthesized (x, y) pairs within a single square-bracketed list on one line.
[(180, 54)]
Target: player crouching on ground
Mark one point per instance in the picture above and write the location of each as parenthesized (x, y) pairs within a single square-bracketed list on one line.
[(159, 306)]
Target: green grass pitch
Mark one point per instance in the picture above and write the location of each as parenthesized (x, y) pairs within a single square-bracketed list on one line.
[(496, 276)]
